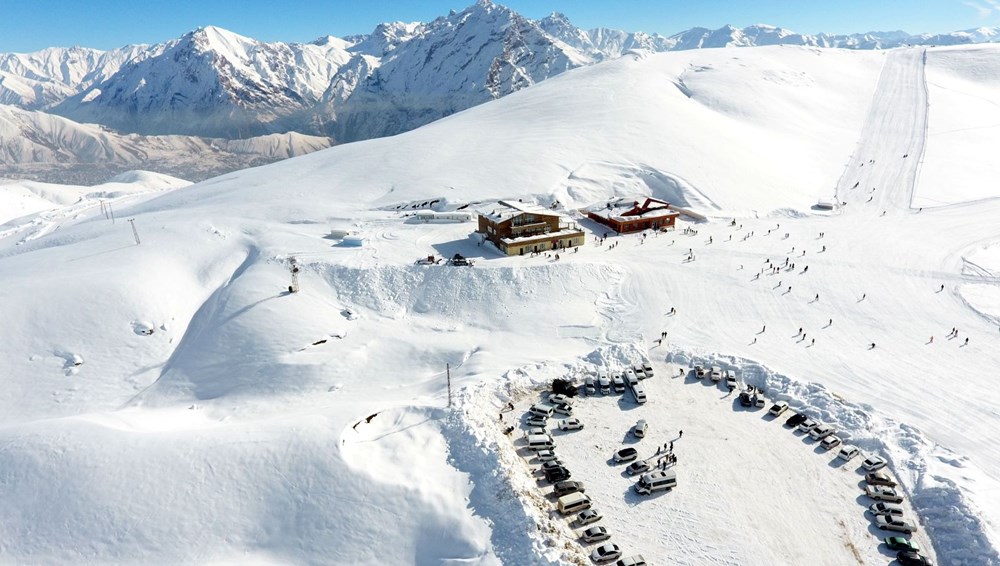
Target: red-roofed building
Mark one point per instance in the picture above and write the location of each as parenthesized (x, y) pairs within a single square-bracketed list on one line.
[(626, 215)]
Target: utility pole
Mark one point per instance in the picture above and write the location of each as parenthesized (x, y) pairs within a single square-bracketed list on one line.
[(294, 268), (448, 372), (112, 213), (134, 232)]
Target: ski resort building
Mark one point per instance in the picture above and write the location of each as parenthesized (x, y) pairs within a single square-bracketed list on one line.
[(626, 215), (517, 228)]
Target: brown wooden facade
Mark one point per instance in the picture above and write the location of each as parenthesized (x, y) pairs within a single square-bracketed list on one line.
[(518, 229)]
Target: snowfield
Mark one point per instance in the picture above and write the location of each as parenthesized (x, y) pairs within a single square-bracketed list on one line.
[(171, 402)]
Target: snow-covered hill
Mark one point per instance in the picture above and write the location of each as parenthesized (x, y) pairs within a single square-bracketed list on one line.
[(216, 83), (186, 408), (40, 146)]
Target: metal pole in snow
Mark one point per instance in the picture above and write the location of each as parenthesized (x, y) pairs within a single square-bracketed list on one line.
[(448, 371), (112, 213), (134, 232)]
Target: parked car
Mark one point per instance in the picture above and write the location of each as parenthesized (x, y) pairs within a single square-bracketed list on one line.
[(589, 386), (559, 399), (758, 401), (626, 455), (716, 373), (882, 493), (570, 424), (606, 553), (745, 399), (557, 474), (594, 534), (634, 560), (536, 421), (873, 463), (545, 455), (640, 428), (778, 408), (909, 558), (894, 523), (821, 431), (880, 478), (552, 465), (637, 467), (847, 453), (795, 420), (731, 382), (567, 487), (699, 371), (537, 430), (565, 409), (897, 544), (618, 382), (605, 384), (587, 517), (647, 369), (883, 508), (639, 372), (807, 425), (830, 442), (631, 380)]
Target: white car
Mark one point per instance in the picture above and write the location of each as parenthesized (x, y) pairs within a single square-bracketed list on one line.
[(587, 517), (847, 453), (808, 425), (589, 386), (873, 463), (565, 409), (716, 373), (559, 399), (545, 455), (648, 370), (639, 372), (882, 493), (606, 553), (594, 534), (731, 380), (894, 523), (830, 442), (699, 371), (778, 408), (569, 424), (820, 432)]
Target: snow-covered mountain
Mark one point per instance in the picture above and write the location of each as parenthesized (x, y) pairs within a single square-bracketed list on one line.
[(41, 146), (215, 83), (186, 408)]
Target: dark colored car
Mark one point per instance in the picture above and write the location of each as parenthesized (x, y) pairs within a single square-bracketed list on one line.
[(567, 487), (910, 558), (745, 399), (898, 544), (556, 474), (795, 420)]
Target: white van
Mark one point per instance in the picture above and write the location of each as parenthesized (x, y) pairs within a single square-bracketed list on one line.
[(538, 442), (656, 481), (573, 503), (542, 410), (639, 392)]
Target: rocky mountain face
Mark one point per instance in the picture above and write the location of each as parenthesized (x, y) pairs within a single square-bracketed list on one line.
[(217, 84)]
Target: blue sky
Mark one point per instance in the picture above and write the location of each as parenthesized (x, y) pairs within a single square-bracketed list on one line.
[(28, 25)]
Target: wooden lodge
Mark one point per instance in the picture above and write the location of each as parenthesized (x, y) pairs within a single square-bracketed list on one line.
[(626, 215), (516, 228)]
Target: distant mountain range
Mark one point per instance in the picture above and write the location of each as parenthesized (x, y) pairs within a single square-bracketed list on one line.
[(212, 83)]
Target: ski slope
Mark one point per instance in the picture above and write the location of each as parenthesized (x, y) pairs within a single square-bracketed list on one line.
[(186, 408)]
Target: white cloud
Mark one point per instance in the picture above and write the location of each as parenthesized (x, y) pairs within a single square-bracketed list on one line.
[(985, 8)]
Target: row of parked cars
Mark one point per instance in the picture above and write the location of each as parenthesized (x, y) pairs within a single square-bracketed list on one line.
[(607, 383), (881, 487), (571, 496)]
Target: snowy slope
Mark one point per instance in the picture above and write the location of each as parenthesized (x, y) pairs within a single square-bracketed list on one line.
[(41, 146), (214, 417)]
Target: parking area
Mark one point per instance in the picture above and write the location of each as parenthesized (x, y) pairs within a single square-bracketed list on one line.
[(749, 490)]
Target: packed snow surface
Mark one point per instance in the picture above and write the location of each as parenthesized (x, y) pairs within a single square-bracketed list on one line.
[(172, 402)]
